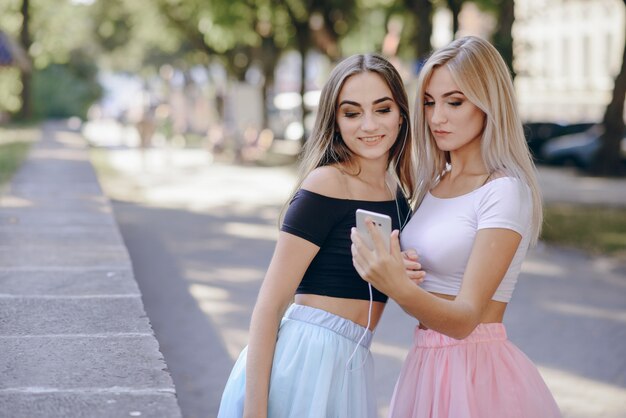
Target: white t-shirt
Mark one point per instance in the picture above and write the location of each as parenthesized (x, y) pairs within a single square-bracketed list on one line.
[(442, 231)]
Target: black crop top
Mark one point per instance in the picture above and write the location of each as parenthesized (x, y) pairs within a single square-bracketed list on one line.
[(326, 222)]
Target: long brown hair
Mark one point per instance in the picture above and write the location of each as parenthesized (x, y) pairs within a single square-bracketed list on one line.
[(325, 146)]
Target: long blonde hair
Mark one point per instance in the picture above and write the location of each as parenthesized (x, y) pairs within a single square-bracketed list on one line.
[(481, 74), (325, 146)]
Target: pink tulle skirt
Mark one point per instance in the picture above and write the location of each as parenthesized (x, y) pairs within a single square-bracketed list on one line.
[(481, 376)]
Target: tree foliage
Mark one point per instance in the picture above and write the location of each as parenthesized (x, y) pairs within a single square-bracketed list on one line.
[(52, 33), (140, 36)]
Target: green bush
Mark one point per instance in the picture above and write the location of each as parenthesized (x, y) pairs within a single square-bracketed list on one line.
[(64, 90)]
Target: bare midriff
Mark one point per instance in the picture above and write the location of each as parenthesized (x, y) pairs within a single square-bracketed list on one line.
[(356, 310), (494, 312)]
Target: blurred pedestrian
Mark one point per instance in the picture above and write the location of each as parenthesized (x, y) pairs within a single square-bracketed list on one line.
[(478, 210), (316, 362)]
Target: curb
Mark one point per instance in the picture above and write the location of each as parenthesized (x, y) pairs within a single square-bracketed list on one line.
[(74, 336)]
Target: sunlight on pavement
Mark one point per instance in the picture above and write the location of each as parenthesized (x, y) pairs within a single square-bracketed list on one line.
[(579, 397), (204, 292), (70, 138), (59, 154), (191, 180), (156, 160), (234, 274), (247, 230), (108, 132), (178, 178), (214, 301), (586, 311), (9, 201), (542, 268), (394, 351), (236, 340)]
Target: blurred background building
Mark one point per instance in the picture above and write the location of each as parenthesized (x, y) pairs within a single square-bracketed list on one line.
[(567, 53)]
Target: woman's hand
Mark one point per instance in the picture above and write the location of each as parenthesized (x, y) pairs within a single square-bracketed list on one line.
[(412, 266), (385, 270)]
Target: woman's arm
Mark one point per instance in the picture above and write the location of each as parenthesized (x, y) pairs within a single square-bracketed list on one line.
[(491, 255), (291, 258)]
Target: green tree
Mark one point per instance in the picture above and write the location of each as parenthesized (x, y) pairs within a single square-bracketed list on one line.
[(64, 90), (135, 36), (50, 32), (238, 36), (255, 32)]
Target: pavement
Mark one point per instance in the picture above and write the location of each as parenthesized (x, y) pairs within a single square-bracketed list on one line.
[(77, 342), (566, 185), (74, 337)]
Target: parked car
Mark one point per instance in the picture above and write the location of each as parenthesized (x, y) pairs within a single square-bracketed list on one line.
[(538, 133), (578, 149)]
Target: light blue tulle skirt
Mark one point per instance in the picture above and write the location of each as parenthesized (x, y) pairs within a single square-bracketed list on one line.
[(310, 375)]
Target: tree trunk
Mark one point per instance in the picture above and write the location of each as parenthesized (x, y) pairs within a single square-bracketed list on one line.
[(265, 55), (26, 111), (269, 58), (607, 161), (455, 9), (502, 38), (423, 12), (302, 33)]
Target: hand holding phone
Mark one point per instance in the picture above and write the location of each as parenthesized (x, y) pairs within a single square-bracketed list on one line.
[(381, 221)]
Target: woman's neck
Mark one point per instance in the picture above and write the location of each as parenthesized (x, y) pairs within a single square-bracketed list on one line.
[(372, 173), (466, 162), (368, 181)]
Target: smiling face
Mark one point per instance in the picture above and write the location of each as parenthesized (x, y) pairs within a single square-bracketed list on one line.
[(454, 121), (368, 117)]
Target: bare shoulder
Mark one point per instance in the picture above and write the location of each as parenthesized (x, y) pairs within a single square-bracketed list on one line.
[(328, 181)]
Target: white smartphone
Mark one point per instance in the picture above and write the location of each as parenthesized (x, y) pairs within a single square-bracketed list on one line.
[(383, 222)]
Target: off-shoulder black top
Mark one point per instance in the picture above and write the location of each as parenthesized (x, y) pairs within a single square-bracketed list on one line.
[(326, 222)]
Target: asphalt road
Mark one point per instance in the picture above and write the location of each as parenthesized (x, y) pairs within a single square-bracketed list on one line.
[(200, 235)]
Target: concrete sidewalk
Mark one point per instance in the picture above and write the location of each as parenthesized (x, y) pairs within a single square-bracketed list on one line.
[(567, 185), (74, 336)]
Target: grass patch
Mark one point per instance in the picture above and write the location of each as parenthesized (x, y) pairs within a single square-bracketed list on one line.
[(599, 230), (15, 141), (11, 156)]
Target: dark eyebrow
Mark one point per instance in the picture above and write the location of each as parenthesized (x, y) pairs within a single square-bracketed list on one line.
[(382, 99), (349, 102), (450, 93)]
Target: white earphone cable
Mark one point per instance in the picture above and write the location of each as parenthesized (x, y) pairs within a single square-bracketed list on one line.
[(401, 224)]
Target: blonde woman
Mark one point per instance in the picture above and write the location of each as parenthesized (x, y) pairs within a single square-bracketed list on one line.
[(478, 211), (315, 361)]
